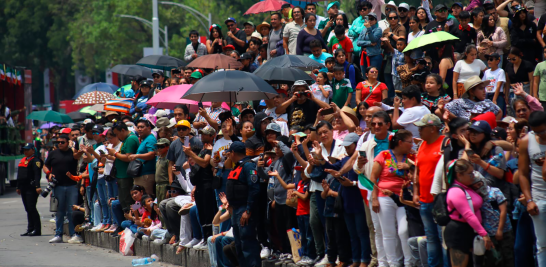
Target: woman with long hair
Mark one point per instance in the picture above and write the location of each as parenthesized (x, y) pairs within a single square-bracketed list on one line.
[(491, 39), (465, 68), (465, 220), (341, 19), (476, 20), (524, 35), (416, 28), (518, 70), (216, 41), (361, 109), (390, 171), (371, 90), (446, 64), (423, 16)]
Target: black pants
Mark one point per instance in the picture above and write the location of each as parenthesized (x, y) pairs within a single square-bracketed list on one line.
[(78, 217), (262, 222), (286, 219), (338, 240), (169, 210), (205, 201), (231, 253), (30, 199)]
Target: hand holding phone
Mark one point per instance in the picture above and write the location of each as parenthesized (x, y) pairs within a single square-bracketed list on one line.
[(186, 141), (200, 104), (327, 111), (470, 152), (362, 153)]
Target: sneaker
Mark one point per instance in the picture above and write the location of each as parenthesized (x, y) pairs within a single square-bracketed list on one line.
[(159, 241), (104, 227), (52, 220), (76, 239), (201, 246), (56, 239), (192, 243), (264, 254), (322, 262), (305, 261), (273, 256), (146, 238), (288, 258), (112, 229), (96, 228), (65, 221)]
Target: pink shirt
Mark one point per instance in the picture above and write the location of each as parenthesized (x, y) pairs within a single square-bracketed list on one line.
[(388, 178), (456, 200)]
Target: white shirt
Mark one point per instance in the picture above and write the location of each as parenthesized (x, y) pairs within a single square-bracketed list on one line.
[(418, 34), (103, 149), (494, 77), (271, 112), (318, 93), (466, 70), (110, 163), (412, 115), (337, 152)]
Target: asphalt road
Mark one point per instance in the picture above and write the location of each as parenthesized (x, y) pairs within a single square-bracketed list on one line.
[(16, 250)]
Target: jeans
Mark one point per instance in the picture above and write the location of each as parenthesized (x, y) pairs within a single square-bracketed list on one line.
[(97, 214), (418, 246), (129, 224), (360, 236), (501, 102), (67, 197), (389, 83), (307, 248), (376, 61), (338, 247), (248, 247), (117, 211), (316, 221), (434, 237), (381, 254), (525, 240), (112, 189), (103, 199), (216, 251), (394, 227), (539, 222), (195, 225), (91, 205)]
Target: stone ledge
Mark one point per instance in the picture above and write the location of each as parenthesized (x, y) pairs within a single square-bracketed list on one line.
[(166, 253)]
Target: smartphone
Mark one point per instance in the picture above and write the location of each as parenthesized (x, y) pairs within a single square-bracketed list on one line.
[(200, 104), (135, 206), (327, 111), (262, 156), (186, 141), (525, 130), (470, 152), (177, 168), (101, 152), (300, 134), (362, 153)]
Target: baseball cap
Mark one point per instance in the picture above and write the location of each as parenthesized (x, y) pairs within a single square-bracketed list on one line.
[(335, 3), (299, 83), (86, 121), (196, 75), (98, 129), (66, 131), (146, 83), (282, 91), (404, 5), (183, 123), (28, 146), (440, 6), (160, 113), (273, 127), (372, 14), (481, 127), (428, 120), (163, 141), (248, 23), (499, 133), (237, 147), (256, 35), (208, 130), (245, 56), (230, 19), (228, 47), (350, 139), (160, 72), (288, 5), (506, 121), (247, 111), (494, 55), (457, 4)]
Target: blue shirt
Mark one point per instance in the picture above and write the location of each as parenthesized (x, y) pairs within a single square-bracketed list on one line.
[(352, 199), (382, 145), (491, 212), (321, 59), (147, 145), (397, 60)]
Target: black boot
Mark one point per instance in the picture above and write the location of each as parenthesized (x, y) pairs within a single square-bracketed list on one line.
[(26, 233), (34, 233)]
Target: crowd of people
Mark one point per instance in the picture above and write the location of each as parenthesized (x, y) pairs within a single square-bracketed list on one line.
[(390, 158)]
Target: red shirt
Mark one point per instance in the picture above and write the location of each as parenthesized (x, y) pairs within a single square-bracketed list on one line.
[(346, 44), (377, 93), (303, 205), (388, 178), (427, 159)]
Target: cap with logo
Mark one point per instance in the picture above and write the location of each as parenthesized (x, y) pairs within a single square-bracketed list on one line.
[(208, 130), (481, 127), (86, 121), (335, 3), (183, 123), (428, 120), (160, 72), (245, 56), (350, 139), (28, 146), (196, 75), (146, 83), (97, 129), (230, 19)]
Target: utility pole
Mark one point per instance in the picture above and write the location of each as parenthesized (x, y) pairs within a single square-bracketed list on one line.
[(155, 28)]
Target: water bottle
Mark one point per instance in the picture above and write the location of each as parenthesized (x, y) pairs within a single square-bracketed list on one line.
[(495, 160), (145, 261)]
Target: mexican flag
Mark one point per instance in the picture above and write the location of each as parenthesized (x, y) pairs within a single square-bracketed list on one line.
[(19, 77), (8, 75), (366, 187), (2, 72)]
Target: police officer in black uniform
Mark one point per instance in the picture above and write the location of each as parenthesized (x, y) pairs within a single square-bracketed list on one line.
[(242, 189), (28, 186)]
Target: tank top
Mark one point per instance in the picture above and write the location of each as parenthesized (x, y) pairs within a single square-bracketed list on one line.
[(536, 153)]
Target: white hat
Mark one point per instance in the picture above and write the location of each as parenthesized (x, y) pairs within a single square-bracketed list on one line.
[(256, 35), (160, 113), (391, 3), (404, 5)]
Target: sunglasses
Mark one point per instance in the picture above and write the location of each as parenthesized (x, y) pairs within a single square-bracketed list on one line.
[(441, 10), (95, 133), (373, 71), (402, 10), (161, 146), (364, 9), (491, 59), (172, 192), (378, 124), (231, 25), (183, 128), (61, 142), (393, 18), (156, 76)]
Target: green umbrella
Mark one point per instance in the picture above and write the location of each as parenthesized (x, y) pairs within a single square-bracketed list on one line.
[(88, 110), (49, 115), (429, 39)]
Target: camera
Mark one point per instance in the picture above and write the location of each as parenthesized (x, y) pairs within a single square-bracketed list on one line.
[(300, 94), (49, 187)]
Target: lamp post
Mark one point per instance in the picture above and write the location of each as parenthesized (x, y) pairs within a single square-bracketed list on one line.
[(194, 12), (150, 24)]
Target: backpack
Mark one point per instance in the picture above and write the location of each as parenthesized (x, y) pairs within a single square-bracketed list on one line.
[(440, 212), (358, 73)]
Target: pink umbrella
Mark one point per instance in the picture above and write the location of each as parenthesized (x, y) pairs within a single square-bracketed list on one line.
[(171, 96), (265, 6)]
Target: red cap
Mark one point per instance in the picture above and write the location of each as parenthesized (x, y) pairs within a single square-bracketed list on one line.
[(489, 117), (66, 131), (228, 46)]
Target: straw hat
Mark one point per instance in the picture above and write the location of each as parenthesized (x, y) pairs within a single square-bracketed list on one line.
[(471, 83), (351, 113)]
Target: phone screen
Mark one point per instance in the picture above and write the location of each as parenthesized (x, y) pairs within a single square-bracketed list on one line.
[(200, 105), (362, 153), (186, 141), (327, 111)]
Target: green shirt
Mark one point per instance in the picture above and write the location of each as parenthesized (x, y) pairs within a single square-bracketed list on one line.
[(129, 146), (162, 170), (341, 90), (540, 71), (321, 26)]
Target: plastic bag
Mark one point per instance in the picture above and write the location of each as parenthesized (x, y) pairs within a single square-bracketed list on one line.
[(295, 243), (479, 246), (126, 243)]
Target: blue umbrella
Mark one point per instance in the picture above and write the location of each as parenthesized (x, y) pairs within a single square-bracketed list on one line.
[(49, 125), (103, 87)]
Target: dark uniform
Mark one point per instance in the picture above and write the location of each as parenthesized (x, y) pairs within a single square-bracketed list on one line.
[(28, 180), (242, 189)]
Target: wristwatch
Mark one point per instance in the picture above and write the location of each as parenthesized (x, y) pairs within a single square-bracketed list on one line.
[(530, 200)]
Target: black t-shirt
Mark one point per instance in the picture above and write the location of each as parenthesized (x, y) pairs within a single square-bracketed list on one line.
[(406, 25), (434, 24), (200, 176), (541, 24), (241, 35), (303, 114), (59, 163), (466, 37), (523, 72)]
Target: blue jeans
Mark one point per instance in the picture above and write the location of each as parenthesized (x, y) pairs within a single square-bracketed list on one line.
[(112, 188), (103, 200), (501, 102), (129, 224), (91, 204), (97, 214), (216, 251), (539, 222), (360, 236), (67, 197), (375, 61), (117, 212), (307, 248), (389, 83), (525, 240), (248, 247), (434, 237), (195, 225)]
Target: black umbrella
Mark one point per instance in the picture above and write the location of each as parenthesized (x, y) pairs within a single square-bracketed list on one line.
[(161, 62), (292, 61), (132, 70), (274, 74), (78, 116), (230, 86)]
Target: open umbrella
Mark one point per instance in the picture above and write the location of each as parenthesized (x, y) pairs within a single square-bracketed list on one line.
[(161, 62), (230, 86), (430, 39), (49, 125), (132, 70), (102, 87), (95, 97), (78, 115), (171, 96), (265, 6), (215, 61), (293, 61), (97, 107), (49, 115), (274, 74)]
